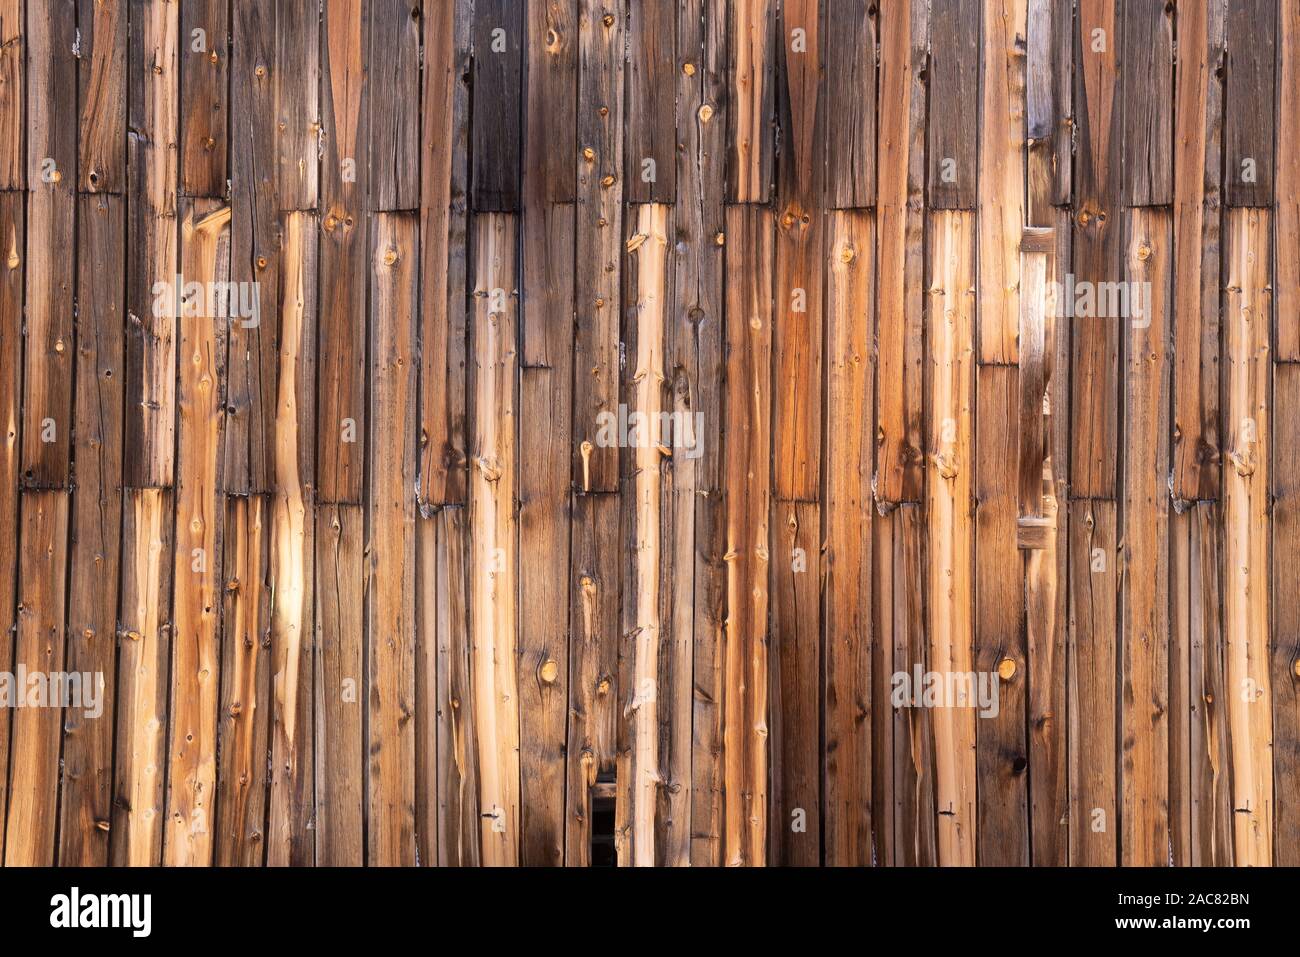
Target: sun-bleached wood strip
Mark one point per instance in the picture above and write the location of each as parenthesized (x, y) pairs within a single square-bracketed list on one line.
[(85, 810), (154, 79), (38, 649), (245, 687), (289, 837), (950, 537), (101, 73), (339, 696), (192, 739), (1247, 434), (901, 161), (493, 543), (13, 58), (847, 769), (390, 612), (1285, 473), (750, 98), (144, 642)]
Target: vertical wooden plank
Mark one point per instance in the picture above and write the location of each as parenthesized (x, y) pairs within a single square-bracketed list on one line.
[(497, 85), (1148, 80), (950, 539), (297, 102), (1246, 426), (205, 68), (797, 343), (750, 99), (593, 664), (493, 544), (192, 725), (393, 75), (851, 105), (794, 676), (101, 83), (13, 58), (153, 93), (904, 38), (1091, 680), (444, 173), (144, 642), (390, 626), (345, 112), (428, 719), (245, 713), (550, 117), (546, 389), (289, 837), (1286, 616), (848, 770), (1287, 281), (1198, 125), (650, 163), (600, 231), (955, 59), (340, 629), (747, 448), (96, 528), (1001, 178), (51, 211), (1049, 126), (1249, 117), (12, 250), (38, 648)]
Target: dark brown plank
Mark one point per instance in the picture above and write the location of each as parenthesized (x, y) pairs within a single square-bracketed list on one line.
[(205, 68), (550, 117), (297, 101), (101, 75), (851, 103), (954, 81), (497, 89), (650, 146), (1148, 115), (1249, 85), (393, 80)]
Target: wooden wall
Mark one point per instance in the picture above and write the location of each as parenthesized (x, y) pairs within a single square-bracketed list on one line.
[(367, 581)]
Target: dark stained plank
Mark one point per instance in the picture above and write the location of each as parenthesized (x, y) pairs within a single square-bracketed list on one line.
[(297, 102), (955, 82), (497, 91), (650, 144), (550, 115), (1148, 117), (393, 81), (205, 96), (1249, 85), (101, 83), (851, 103), (1048, 123)]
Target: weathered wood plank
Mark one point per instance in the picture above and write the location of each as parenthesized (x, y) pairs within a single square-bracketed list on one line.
[(340, 643), (797, 344), (1247, 424), (205, 96), (1286, 616), (1287, 281), (390, 625), (751, 86), (101, 82), (13, 58), (12, 250), (650, 147), (195, 663), (550, 116), (1049, 62), (393, 78), (851, 105), (85, 810), (39, 648), (1144, 572), (496, 133), (955, 59), (1148, 118), (1249, 85), (1198, 125), (144, 642), (901, 162), (297, 102), (493, 536), (746, 450), (848, 769)]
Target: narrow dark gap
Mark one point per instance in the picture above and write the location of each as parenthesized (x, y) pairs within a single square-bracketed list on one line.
[(603, 853)]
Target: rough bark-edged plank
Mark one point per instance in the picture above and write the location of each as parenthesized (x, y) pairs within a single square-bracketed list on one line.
[(289, 837), (393, 78), (1286, 617), (851, 103), (340, 630), (13, 58), (546, 390), (550, 116), (205, 68), (1148, 117), (85, 810), (1144, 581), (848, 769), (650, 148), (1248, 115), (600, 233), (444, 177), (192, 726), (245, 711), (950, 537), (955, 82), (593, 664), (493, 530), (750, 97), (794, 678), (144, 641), (39, 647), (390, 624), (746, 451), (901, 161), (297, 102), (345, 111), (497, 87), (153, 81), (1198, 125), (101, 76), (1247, 424), (1094, 580)]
